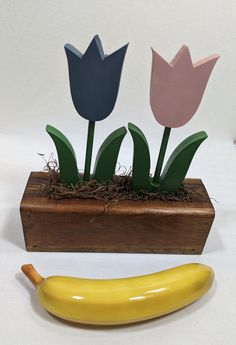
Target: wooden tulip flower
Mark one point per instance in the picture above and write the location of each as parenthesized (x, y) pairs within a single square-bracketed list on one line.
[(94, 85), (177, 87), (176, 91)]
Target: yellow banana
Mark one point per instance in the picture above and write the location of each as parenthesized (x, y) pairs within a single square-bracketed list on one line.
[(121, 301)]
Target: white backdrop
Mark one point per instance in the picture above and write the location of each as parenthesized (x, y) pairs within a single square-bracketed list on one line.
[(34, 91), (34, 77)]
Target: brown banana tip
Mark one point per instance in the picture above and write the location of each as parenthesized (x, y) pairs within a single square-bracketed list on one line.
[(32, 274)]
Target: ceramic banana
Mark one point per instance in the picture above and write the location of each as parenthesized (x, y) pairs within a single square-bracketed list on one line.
[(121, 301)]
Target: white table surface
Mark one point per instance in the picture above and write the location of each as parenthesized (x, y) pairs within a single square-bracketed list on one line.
[(210, 320)]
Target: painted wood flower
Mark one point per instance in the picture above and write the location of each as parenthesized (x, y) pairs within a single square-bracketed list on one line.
[(178, 87), (94, 79), (94, 85)]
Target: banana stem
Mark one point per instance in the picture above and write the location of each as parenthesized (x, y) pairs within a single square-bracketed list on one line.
[(32, 274)]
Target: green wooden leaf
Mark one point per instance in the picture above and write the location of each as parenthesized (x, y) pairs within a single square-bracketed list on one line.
[(107, 155), (178, 164), (66, 156), (141, 161)]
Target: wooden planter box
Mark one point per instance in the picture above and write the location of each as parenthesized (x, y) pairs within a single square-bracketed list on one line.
[(128, 226)]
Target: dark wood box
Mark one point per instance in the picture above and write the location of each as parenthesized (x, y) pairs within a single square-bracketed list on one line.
[(128, 226)]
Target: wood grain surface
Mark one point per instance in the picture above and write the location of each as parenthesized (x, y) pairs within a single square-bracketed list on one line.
[(125, 226)]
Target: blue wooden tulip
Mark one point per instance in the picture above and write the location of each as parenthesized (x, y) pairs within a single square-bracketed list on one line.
[(94, 85), (94, 79)]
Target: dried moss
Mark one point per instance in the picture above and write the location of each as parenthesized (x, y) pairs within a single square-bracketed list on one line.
[(120, 188)]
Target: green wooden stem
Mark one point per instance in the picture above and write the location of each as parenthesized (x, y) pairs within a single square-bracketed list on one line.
[(89, 149), (161, 156)]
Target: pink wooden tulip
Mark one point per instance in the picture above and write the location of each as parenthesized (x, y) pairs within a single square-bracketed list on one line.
[(177, 87)]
